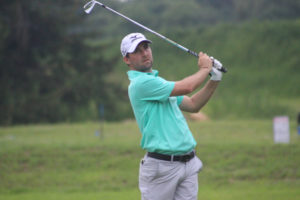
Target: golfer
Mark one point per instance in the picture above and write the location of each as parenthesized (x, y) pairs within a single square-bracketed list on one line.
[(169, 170)]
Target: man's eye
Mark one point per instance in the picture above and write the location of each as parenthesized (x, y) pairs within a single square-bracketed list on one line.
[(141, 48), (146, 46)]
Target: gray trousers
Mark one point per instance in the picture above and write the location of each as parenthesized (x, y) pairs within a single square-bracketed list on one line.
[(167, 180)]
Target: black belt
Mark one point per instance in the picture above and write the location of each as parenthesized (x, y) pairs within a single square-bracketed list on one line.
[(180, 158)]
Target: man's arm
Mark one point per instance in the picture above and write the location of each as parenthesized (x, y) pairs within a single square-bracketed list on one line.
[(199, 99), (191, 83)]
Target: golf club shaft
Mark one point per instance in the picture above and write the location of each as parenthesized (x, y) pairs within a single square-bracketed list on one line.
[(89, 6)]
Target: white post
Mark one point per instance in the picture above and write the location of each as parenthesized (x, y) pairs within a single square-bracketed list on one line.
[(281, 129)]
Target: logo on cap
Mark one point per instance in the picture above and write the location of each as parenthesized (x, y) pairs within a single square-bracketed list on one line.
[(135, 37)]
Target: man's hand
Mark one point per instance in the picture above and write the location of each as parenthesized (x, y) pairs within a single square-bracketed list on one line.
[(191, 83), (216, 64), (216, 75), (204, 61)]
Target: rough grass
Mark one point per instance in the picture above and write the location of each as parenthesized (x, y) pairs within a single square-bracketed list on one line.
[(68, 161)]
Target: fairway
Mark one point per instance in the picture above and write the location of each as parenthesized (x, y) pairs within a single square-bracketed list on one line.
[(70, 161)]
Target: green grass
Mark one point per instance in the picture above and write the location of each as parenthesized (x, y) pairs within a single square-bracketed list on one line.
[(68, 161)]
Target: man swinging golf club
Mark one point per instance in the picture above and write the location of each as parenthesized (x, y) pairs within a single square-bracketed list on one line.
[(169, 170)]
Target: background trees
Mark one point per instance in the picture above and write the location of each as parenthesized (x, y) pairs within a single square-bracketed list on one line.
[(48, 72), (58, 64)]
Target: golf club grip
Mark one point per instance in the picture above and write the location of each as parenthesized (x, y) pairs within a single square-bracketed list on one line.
[(223, 69), (193, 53)]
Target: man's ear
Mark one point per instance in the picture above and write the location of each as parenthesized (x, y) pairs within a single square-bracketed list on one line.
[(126, 60)]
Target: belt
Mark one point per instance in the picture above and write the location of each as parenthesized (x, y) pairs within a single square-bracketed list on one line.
[(180, 158)]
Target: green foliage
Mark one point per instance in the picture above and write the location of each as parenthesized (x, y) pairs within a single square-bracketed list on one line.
[(49, 73), (59, 64)]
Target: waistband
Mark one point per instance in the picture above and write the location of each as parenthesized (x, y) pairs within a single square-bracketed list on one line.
[(180, 158)]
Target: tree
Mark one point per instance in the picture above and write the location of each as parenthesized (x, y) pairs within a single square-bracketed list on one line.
[(49, 73)]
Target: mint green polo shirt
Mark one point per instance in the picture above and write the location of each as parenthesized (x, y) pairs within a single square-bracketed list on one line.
[(160, 120)]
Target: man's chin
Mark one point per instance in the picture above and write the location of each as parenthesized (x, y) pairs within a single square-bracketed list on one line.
[(144, 68)]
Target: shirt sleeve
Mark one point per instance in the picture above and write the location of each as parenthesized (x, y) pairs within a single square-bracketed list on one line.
[(154, 89), (179, 100)]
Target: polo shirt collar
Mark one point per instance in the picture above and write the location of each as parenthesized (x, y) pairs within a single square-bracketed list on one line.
[(133, 73)]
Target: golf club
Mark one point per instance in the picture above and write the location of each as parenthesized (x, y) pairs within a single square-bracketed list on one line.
[(88, 7)]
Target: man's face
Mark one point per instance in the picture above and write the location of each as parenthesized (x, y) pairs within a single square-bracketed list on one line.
[(141, 59)]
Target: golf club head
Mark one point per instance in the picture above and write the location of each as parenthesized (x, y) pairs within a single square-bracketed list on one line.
[(88, 7)]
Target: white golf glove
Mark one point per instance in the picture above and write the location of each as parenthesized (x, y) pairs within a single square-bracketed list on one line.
[(216, 75), (216, 64)]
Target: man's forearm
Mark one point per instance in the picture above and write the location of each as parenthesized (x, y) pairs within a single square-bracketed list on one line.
[(200, 98), (190, 83)]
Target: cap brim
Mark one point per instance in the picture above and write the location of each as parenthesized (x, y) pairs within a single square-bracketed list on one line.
[(136, 43)]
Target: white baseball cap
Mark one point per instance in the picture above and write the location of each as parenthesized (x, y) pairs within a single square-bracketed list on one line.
[(131, 41)]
